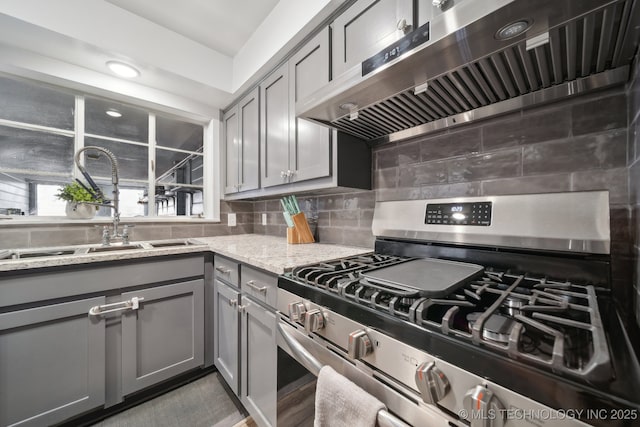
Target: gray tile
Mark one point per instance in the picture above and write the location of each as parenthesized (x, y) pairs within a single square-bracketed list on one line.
[(614, 180), (244, 218), (14, 239), (634, 180), (527, 185), (141, 232), (259, 229), (241, 206), (499, 164), (363, 200), (386, 158), (260, 206), (331, 235), (324, 219), (275, 218), (620, 223), (366, 218), (344, 218), (602, 151), (183, 231), (59, 237), (598, 115), (363, 238), (385, 178), (408, 153), (450, 190), (385, 195), (453, 144), (634, 141), (276, 230), (423, 173), (527, 129), (215, 230), (329, 203), (273, 205)]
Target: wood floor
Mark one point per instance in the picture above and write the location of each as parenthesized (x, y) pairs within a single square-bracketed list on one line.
[(202, 403)]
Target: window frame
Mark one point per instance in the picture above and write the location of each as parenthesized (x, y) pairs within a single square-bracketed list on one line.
[(210, 161)]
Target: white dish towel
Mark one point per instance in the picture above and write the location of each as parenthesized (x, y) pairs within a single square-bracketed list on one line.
[(341, 403)]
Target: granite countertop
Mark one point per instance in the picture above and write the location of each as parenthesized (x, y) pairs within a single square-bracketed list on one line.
[(267, 252), (274, 254)]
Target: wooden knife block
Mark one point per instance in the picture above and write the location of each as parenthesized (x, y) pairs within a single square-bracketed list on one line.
[(301, 232)]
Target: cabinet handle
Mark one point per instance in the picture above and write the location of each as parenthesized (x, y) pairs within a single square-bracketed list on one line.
[(283, 175), (403, 26), (132, 304), (233, 302), (242, 308), (252, 285), (223, 270)]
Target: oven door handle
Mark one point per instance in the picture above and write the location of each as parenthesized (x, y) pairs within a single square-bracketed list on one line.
[(385, 418)]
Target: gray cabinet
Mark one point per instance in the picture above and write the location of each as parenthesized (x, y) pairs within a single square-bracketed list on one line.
[(259, 362), (52, 363), (274, 128), (226, 344), (366, 28), (165, 336), (242, 145), (309, 143)]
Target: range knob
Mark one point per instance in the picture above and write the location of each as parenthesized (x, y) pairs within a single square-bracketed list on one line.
[(296, 311), (313, 320), (359, 344), (483, 408), (432, 382)]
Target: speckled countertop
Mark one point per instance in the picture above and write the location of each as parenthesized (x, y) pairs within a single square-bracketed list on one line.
[(274, 254), (267, 252)]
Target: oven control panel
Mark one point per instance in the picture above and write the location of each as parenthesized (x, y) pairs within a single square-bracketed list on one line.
[(473, 213)]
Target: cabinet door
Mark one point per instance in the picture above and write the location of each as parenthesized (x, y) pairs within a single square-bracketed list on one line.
[(366, 28), (225, 338), (165, 336), (249, 113), (231, 150), (259, 361), (52, 363), (274, 128), (310, 143)]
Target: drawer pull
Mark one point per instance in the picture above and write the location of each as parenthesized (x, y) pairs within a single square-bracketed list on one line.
[(252, 285), (223, 270), (132, 304), (233, 302)]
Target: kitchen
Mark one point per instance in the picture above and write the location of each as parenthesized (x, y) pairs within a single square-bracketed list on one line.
[(491, 128)]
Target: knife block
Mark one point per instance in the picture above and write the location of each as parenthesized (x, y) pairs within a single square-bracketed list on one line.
[(301, 232)]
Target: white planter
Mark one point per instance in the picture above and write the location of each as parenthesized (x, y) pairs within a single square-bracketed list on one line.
[(80, 210)]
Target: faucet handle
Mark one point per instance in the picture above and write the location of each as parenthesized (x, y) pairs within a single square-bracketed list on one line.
[(125, 233)]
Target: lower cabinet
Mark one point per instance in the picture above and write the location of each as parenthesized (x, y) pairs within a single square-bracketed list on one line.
[(246, 352), (226, 344), (165, 336), (258, 362), (52, 363)]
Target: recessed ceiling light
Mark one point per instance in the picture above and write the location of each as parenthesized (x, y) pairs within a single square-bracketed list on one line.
[(113, 113), (122, 69), (513, 30)]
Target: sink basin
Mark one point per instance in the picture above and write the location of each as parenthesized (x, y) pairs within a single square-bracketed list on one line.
[(112, 248), (8, 255)]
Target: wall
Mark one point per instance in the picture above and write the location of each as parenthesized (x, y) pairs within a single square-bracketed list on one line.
[(633, 99), (574, 145), (39, 235)]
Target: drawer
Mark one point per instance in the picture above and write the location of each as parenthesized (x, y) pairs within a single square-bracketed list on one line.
[(226, 270), (259, 285)]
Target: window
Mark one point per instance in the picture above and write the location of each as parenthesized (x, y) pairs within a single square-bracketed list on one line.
[(160, 158)]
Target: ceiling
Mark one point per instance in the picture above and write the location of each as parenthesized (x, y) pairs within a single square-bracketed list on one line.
[(194, 56), (220, 25)]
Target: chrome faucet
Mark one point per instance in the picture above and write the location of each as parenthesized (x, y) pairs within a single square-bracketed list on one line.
[(107, 236)]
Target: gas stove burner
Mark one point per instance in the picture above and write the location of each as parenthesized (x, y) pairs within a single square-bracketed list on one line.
[(496, 328), (512, 305)]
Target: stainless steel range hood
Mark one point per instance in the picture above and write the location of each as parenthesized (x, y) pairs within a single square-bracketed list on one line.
[(570, 47)]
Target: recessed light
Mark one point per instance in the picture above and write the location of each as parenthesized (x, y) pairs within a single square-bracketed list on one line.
[(122, 69), (113, 113), (513, 30)]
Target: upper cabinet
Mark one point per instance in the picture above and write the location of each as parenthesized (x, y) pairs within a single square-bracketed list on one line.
[(366, 28), (309, 143), (241, 130), (295, 149)]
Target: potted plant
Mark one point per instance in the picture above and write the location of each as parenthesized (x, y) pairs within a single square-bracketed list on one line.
[(78, 199)]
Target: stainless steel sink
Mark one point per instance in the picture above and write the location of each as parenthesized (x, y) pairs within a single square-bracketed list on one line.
[(7, 255)]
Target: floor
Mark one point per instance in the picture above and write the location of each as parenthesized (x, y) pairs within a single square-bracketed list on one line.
[(202, 403)]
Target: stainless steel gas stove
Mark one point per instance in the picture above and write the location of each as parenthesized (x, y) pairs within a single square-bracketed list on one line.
[(490, 311)]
